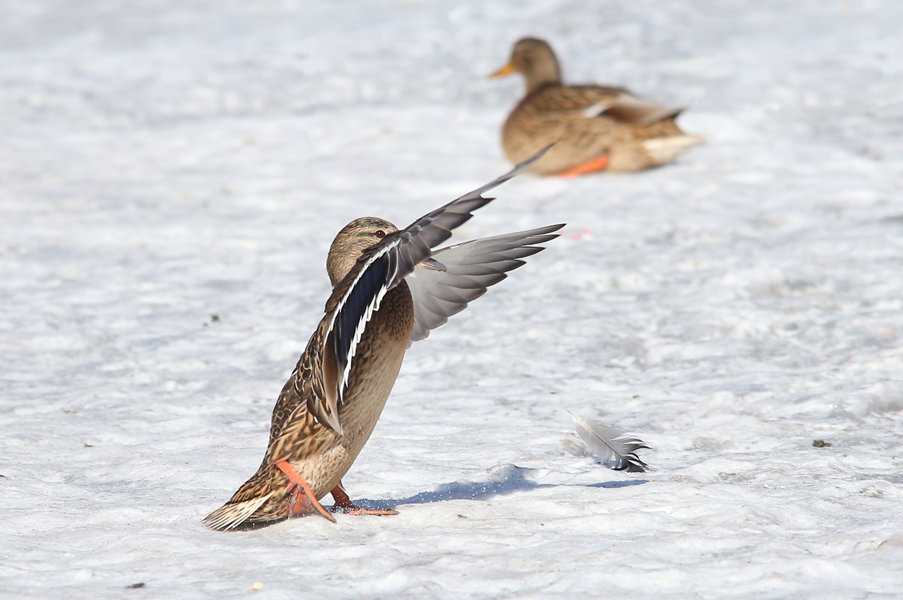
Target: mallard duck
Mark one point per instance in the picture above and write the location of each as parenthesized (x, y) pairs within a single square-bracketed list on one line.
[(594, 127), (389, 290)]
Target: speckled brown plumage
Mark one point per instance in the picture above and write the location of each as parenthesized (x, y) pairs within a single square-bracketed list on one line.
[(586, 122), (316, 451), (330, 405)]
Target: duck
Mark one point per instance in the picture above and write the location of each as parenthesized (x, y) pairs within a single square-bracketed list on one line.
[(594, 127), (390, 289)]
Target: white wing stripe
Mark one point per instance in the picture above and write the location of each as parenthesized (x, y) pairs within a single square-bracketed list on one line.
[(368, 313)]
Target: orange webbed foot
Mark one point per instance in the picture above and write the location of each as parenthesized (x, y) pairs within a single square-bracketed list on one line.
[(344, 504), (600, 163), (302, 500)]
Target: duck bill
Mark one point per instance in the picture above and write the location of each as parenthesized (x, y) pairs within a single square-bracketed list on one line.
[(503, 72)]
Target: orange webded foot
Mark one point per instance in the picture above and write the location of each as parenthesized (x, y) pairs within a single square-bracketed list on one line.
[(343, 503), (600, 163), (302, 501)]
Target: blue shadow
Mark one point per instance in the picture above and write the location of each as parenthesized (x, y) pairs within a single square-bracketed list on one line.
[(505, 480)]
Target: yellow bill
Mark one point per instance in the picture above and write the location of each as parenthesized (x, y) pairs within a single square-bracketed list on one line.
[(504, 71)]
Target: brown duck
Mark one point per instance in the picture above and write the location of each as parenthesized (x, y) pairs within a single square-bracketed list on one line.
[(594, 127), (389, 289)]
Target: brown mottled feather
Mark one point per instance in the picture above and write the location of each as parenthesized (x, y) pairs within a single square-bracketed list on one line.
[(318, 453)]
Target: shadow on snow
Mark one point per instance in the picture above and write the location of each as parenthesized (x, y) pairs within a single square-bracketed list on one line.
[(504, 480)]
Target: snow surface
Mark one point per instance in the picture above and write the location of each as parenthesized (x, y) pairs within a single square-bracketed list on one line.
[(163, 162)]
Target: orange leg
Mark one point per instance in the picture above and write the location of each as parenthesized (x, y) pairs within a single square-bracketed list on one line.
[(591, 166), (343, 503), (303, 500)]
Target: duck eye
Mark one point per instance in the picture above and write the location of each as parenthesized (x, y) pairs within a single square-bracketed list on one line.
[(380, 233)]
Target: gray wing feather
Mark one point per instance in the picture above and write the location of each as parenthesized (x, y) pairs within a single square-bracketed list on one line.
[(435, 227), (470, 268)]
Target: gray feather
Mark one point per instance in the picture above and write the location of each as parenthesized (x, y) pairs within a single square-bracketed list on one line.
[(470, 268), (611, 445), (435, 227)]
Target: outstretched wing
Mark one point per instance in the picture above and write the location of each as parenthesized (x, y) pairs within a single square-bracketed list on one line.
[(470, 268), (430, 230), (379, 269)]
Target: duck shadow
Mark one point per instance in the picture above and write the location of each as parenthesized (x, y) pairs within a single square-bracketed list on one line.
[(502, 481)]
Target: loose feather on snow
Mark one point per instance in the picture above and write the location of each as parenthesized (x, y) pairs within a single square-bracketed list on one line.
[(611, 445)]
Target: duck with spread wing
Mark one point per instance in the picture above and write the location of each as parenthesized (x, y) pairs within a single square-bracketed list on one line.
[(390, 288)]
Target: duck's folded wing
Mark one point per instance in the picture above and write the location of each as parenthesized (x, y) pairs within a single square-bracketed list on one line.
[(589, 101), (470, 268), (380, 268), (573, 101), (639, 111)]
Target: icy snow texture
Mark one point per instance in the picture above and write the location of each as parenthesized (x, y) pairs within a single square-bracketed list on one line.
[(162, 162)]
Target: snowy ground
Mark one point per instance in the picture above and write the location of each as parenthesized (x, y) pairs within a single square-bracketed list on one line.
[(162, 163)]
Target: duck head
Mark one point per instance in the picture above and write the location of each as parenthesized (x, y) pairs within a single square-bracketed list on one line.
[(535, 60), (350, 243)]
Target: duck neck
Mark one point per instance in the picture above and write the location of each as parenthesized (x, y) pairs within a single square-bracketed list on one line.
[(544, 74), (339, 264)]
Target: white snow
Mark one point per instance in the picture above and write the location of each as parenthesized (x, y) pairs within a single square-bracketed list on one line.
[(162, 162)]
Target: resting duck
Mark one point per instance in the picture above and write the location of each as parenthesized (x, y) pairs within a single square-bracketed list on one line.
[(389, 290), (594, 127)]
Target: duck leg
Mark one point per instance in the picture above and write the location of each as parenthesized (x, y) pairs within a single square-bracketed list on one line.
[(591, 166), (343, 503), (302, 501)]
